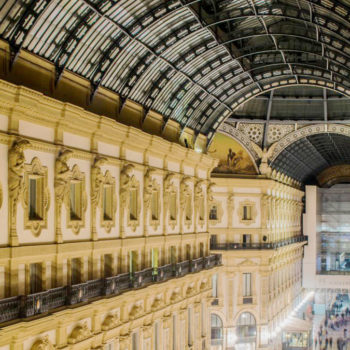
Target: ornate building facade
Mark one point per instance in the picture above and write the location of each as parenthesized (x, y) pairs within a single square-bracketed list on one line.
[(105, 240), (256, 225)]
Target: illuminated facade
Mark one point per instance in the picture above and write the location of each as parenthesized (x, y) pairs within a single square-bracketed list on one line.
[(98, 219), (155, 161), (257, 230)]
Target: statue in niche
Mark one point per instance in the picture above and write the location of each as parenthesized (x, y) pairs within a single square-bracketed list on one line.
[(97, 180), (125, 180), (148, 187), (16, 161), (126, 177), (210, 191), (62, 177), (16, 169)]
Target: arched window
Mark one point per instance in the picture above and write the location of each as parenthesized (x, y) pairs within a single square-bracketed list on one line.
[(246, 329), (217, 335)]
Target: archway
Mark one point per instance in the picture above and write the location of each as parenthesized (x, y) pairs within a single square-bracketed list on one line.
[(246, 332), (217, 332)]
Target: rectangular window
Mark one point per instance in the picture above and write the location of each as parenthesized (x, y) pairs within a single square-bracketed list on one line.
[(108, 265), (190, 325), (213, 214), (174, 332), (156, 336), (247, 212), (247, 285), (133, 204), (35, 193), (107, 203), (214, 283), (155, 259), (247, 238), (201, 250), (35, 281), (75, 200), (135, 341), (154, 205), (201, 210), (173, 206), (133, 261), (188, 208), (188, 252), (75, 271)]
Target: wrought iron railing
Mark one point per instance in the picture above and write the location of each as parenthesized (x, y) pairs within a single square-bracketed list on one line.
[(260, 245), (40, 303)]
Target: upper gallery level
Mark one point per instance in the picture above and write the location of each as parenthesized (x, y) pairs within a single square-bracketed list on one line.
[(91, 203), (254, 213), (74, 176)]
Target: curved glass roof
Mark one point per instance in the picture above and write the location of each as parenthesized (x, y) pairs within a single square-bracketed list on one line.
[(193, 61)]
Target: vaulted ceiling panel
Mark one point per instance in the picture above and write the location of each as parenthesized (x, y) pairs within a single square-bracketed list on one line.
[(194, 61)]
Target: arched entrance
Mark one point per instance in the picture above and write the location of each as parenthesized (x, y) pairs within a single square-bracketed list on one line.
[(217, 332), (246, 332)]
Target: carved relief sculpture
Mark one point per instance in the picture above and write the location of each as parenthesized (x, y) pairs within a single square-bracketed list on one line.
[(185, 201), (16, 161), (79, 333), (96, 191), (199, 204), (150, 187), (230, 208), (62, 176), (169, 191), (43, 344), (111, 321)]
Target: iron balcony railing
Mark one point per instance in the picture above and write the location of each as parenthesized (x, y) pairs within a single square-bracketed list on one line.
[(260, 245), (40, 303)]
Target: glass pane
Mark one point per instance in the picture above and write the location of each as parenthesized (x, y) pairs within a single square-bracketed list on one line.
[(75, 201), (173, 206), (107, 203), (154, 205), (133, 204)]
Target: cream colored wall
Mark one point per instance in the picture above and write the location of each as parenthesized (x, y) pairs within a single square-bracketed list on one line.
[(4, 210), (273, 297), (52, 127), (116, 319), (276, 273), (276, 213)]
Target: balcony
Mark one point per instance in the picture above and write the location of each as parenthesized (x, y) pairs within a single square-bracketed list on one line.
[(261, 245), (40, 303)]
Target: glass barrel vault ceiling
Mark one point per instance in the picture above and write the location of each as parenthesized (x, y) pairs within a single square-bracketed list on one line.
[(193, 61)]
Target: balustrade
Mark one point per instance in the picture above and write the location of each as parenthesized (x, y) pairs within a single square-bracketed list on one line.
[(40, 303)]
